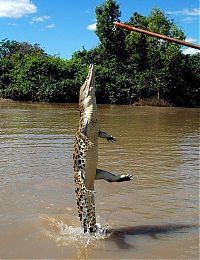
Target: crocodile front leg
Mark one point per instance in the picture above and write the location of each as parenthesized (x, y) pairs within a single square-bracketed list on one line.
[(111, 177), (109, 138)]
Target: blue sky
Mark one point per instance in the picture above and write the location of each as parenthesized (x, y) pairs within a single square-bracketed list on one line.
[(62, 27)]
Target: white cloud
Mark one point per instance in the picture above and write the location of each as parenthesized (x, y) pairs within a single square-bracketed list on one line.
[(92, 27), (189, 19), (190, 39), (40, 18), (185, 11), (51, 26), (12, 24), (16, 8), (190, 51), (192, 12)]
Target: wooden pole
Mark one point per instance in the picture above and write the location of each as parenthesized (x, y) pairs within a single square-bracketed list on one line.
[(157, 35)]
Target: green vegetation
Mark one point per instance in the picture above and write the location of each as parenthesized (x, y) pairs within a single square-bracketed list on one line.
[(131, 67)]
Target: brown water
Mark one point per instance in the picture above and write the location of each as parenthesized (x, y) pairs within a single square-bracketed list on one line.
[(38, 217)]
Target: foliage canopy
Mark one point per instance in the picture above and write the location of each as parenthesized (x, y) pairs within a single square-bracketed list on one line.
[(130, 66)]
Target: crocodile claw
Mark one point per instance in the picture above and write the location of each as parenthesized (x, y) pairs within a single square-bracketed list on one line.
[(111, 139), (125, 177)]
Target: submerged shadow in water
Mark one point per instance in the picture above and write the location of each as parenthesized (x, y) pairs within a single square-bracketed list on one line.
[(118, 235)]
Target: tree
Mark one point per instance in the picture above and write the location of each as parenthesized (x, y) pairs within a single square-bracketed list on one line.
[(28, 73), (112, 41), (8, 48), (130, 66)]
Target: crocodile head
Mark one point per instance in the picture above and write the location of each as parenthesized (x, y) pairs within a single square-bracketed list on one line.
[(87, 91)]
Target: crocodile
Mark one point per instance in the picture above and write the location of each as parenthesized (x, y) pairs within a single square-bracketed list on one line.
[(85, 155)]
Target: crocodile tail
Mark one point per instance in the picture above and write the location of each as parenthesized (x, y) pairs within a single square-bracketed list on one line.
[(86, 207), (88, 216)]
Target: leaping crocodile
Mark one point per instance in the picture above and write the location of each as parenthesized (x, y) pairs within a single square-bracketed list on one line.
[(85, 155)]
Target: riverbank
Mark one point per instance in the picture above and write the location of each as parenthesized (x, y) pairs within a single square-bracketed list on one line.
[(152, 102)]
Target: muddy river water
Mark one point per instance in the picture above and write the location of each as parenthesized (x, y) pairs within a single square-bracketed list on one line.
[(154, 216)]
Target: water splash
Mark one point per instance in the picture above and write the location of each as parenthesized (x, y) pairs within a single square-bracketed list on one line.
[(64, 234)]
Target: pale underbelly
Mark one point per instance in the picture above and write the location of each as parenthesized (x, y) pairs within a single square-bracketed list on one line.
[(90, 167)]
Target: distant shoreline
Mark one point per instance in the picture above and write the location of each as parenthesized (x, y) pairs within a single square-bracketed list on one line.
[(151, 102)]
